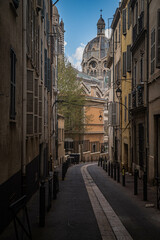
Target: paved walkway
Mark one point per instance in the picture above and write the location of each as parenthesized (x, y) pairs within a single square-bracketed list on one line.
[(83, 209)]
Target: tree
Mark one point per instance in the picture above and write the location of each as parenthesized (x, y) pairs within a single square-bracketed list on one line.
[(71, 98)]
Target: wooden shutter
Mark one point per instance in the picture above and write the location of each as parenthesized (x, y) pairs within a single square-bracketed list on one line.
[(114, 112), (124, 21), (29, 102), (129, 16), (125, 109), (158, 40), (40, 109), (13, 85), (45, 68), (124, 64), (152, 51), (36, 107), (128, 58)]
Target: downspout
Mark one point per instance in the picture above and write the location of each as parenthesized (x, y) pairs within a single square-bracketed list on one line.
[(147, 97), (24, 96), (113, 102)]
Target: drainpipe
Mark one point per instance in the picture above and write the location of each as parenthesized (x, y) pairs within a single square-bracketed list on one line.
[(24, 95), (113, 102), (147, 92)]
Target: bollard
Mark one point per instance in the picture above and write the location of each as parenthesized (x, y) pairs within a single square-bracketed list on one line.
[(42, 204), (145, 186), (135, 182), (123, 176), (49, 194), (103, 164), (55, 184), (115, 172), (118, 172), (111, 170), (63, 171), (99, 162), (106, 166)]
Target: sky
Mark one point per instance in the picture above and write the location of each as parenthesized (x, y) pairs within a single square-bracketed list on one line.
[(80, 22)]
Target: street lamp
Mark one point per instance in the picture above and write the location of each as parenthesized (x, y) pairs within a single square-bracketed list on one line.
[(118, 93), (100, 117)]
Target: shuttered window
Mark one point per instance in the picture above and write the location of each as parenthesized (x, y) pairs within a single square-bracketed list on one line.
[(13, 85), (116, 39), (129, 105), (119, 32), (125, 109), (45, 68), (124, 64), (141, 69), (124, 21), (40, 109), (30, 99), (49, 75), (36, 106), (152, 51), (129, 58), (129, 16), (158, 40)]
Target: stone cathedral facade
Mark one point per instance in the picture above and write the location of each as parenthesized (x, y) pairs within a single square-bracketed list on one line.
[(94, 61)]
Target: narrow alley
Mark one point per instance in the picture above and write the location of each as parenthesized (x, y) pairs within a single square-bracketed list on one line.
[(91, 205)]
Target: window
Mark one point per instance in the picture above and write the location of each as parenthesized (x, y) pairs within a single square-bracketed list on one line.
[(152, 51), (16, 3), (45, 68), (119, 32), (125, 109), (135, 74), (141, 69), (116, 39), (129, 105), (124, 64), (129, 58), (30, 100), (129, 17), (124, 21), (13, 85), (142, 5), (158, 40)]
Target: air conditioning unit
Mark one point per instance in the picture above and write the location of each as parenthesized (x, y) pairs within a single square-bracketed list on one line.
[(39, 5)]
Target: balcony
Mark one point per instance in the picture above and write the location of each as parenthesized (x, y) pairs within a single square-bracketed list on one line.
[(138, 97), (139, 31)]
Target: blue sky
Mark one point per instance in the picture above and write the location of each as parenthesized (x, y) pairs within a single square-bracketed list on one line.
[(80, 22)]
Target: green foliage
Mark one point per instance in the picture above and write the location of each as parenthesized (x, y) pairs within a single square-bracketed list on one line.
[(73, 99)]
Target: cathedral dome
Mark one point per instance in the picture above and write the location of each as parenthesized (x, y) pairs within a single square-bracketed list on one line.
[(96, 48), (101, 21), (94, 60), (55, 10)]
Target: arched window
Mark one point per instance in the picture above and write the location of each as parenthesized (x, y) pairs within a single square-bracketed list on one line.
[(95, 73)]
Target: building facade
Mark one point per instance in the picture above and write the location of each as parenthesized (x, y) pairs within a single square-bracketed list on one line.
[(139, 106), (154, 90), (126, 83), (28, 93)]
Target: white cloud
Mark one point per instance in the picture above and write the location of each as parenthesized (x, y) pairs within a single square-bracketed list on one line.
[(65, 43), (108, 32), (76, 58)]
